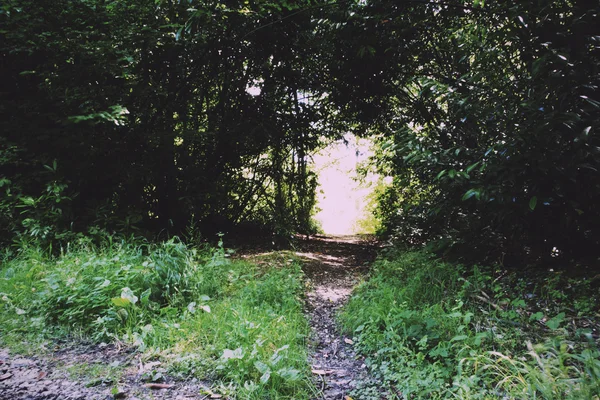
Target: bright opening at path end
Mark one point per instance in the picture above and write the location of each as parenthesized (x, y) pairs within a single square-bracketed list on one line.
[(342, 200)]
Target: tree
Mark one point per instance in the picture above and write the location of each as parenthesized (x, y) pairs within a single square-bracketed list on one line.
[(488, 119), (146, 109)]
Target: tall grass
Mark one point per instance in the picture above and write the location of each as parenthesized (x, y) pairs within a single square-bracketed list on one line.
[(205, 315), (431, 329)]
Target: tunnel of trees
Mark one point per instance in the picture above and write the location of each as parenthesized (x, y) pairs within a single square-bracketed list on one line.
[(154, 115)]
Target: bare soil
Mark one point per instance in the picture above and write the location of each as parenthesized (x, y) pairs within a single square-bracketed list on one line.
[(53, 376), (333, 266)]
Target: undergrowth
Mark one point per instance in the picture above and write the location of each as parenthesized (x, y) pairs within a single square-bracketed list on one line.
[(431, 329), (231, 322)]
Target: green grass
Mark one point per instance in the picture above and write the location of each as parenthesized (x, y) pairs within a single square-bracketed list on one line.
[(234, 323), (437, 330), (93, 374)]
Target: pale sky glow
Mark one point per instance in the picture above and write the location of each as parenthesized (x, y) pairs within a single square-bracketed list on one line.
[(253, 90), (341, 198)]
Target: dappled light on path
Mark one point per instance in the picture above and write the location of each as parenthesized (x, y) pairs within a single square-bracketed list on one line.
[(334, 265), (332, 294)]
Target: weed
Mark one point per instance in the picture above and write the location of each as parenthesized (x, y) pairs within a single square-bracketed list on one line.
[(94, 373), (430, 329), (201, 313)]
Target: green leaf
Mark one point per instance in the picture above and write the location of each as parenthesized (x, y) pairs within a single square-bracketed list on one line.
[(472, 167), (532, 203), (261, 367), (518, 303), (120, 302), (536, 316), (205, 308), (123, 314), (586, 131), (127, 293), (145, 296), (179, 33), (28, 201), (555, 322), (289, 374), (265, 377), (233, 354), (470, 193)]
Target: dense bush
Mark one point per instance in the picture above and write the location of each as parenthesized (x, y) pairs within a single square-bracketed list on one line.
[(493, 144), (113, 98)]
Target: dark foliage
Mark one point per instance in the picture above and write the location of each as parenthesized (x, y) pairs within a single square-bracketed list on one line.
[(489, 125), (487, 115), (141, 113)]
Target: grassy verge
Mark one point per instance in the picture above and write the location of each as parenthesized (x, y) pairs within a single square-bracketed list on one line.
[(431, 329), (231, 322)]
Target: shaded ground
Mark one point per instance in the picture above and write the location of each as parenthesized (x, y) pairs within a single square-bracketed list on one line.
[(121, 373), (334, 265)]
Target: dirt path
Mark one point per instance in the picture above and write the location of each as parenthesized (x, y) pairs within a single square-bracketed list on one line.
[(57, 376), (334, 265)]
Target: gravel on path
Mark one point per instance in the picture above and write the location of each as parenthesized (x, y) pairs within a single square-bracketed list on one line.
[(333, 266), (49, 376)]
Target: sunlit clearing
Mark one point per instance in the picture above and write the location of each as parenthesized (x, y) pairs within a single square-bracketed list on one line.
[(342, 200)]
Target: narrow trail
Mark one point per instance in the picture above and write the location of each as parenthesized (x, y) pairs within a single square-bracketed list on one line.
[(333, 266)]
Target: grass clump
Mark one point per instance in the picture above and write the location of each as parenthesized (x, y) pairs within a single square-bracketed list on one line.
[(431, 329), (201, 313)]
